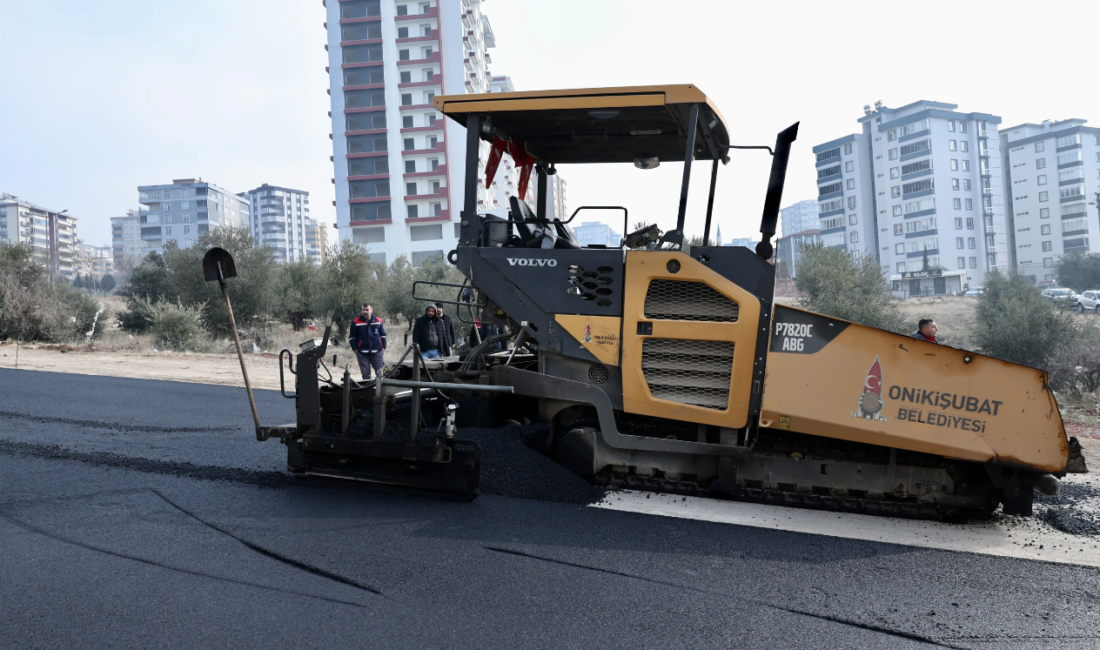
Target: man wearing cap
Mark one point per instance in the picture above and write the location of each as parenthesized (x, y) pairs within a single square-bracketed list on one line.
[(367, 338)]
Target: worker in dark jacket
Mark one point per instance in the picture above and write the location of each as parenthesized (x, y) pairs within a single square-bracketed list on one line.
[(926, 330), (481, 331), (447, 323), (430, 335), (367, 337)]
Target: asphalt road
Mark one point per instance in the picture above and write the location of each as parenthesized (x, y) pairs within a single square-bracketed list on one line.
[(141, 514)]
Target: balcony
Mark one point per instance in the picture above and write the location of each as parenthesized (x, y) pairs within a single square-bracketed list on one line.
[(362, 19), (414, 107), (366, 132), (371, 199), (444, 215), (361, 64), (438, 126), (431, 13), (364, 87), (433, 58), (471, 61), (440, 171), (440, 147), (433, 35), (436, 80), (442, 194)]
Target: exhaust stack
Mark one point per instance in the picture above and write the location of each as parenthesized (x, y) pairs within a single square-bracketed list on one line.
[(775, 190)]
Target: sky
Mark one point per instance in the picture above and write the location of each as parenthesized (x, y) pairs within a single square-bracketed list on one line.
[(98, 98)]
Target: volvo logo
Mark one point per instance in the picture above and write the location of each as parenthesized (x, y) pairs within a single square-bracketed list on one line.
[(527, 261)]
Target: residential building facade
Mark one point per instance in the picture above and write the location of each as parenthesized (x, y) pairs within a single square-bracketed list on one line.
[(921, 189), (127, 247), (596, 233), (280, 216), (798, 217), (50, 235), (1052, 174), (93, 261), (316, 241), (397, 162), (788, 251), (185, 209)]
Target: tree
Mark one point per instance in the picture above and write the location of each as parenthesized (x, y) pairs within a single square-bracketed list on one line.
[(347, 279), (148, 280), (34, 309), (295, 284), (848, 286), (1016, 323), (1078, 271), (107, 282)]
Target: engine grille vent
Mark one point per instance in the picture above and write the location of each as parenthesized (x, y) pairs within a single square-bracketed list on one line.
[(689, 372), (676, 300)]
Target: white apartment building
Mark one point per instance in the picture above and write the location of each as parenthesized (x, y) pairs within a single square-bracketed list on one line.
[(93, 261), (127, 246), (316, 241), (280, 216), (798, 217), (845, 188), (50, 235), (1052, 174), (388, 60), (921, 181), (185, 209), (596, 233)]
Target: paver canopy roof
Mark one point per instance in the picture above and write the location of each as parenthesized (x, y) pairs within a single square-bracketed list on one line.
[(597, 125)]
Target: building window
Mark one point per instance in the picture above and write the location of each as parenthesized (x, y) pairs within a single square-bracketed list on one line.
[(1040, 146), (1048, 247), (894, 172), (848, 148), (413, 211), (954, 182), (892, 154), (1040, 163), (958, 203), (406, 77), (403, 32), (971, 242), (849, 166), (969, 204), (851, 203), (1044, 213), (1041, 180), (891, 135), (970, 223), (851, 183), (406, 99), (966, 165), (899, 229), (952, 145), (964, 145), (951, 125), (854, 236), (897, 210), (851, 220), (901, 267), (958, 223), (430, 232), (1048, 262), (895, 191), (429, 74), (899, 249), (954, 165), (410, 144), (410, 166), (406, 122), (410, 189), (403, 55), (973, 262), (966, 184), (1043, 196)]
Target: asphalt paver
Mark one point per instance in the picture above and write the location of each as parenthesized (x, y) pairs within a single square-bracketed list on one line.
[(134, 515)]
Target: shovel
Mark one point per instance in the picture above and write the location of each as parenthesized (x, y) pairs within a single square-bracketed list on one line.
[(217, 264)]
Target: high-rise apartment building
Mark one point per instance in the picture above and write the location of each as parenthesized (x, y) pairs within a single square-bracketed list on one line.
[(921, 189), (127, 246), (50, 235), (93, 261), (280, 217), (316, 241), (388, 59), (592, 233), (184, 209), (1052, 174), (788, 251), (798, 217)]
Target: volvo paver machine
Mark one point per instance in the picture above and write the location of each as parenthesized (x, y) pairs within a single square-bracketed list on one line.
[(660, 367)]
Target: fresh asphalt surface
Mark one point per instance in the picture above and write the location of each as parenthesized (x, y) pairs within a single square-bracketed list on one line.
[(142, 514)]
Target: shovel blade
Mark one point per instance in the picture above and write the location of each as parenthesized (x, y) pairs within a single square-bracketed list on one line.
[(212, 259)]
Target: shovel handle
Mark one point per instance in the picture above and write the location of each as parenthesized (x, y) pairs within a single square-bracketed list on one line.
[(240, 354)]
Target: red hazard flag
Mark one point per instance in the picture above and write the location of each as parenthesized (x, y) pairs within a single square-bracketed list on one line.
[(525, 162), (873, 383), (495, 154)]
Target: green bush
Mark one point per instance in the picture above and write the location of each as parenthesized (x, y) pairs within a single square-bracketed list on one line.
[(1016, 323), (34, 309), (1078, 271), (848, 286), (176, 326)]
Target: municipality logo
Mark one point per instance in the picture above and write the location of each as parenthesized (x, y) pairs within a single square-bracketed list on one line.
[(870, 401)]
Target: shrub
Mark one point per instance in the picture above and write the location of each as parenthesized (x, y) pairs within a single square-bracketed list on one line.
[(1016, 323), (138, 316), (1078, 271), (176, 326), (34, 309), (847, 285)]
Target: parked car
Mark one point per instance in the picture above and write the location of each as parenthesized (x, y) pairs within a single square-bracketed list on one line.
[(976, 291), (1061, 297), (1088, 301)]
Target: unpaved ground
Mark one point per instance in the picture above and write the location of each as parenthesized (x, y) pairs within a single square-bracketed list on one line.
[(191, 367)]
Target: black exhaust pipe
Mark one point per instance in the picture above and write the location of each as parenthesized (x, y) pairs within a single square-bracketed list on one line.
[(775, 190)]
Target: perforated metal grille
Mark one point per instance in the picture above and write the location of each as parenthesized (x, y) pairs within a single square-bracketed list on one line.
[(598, 374), (689, 372), (676, 300)]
